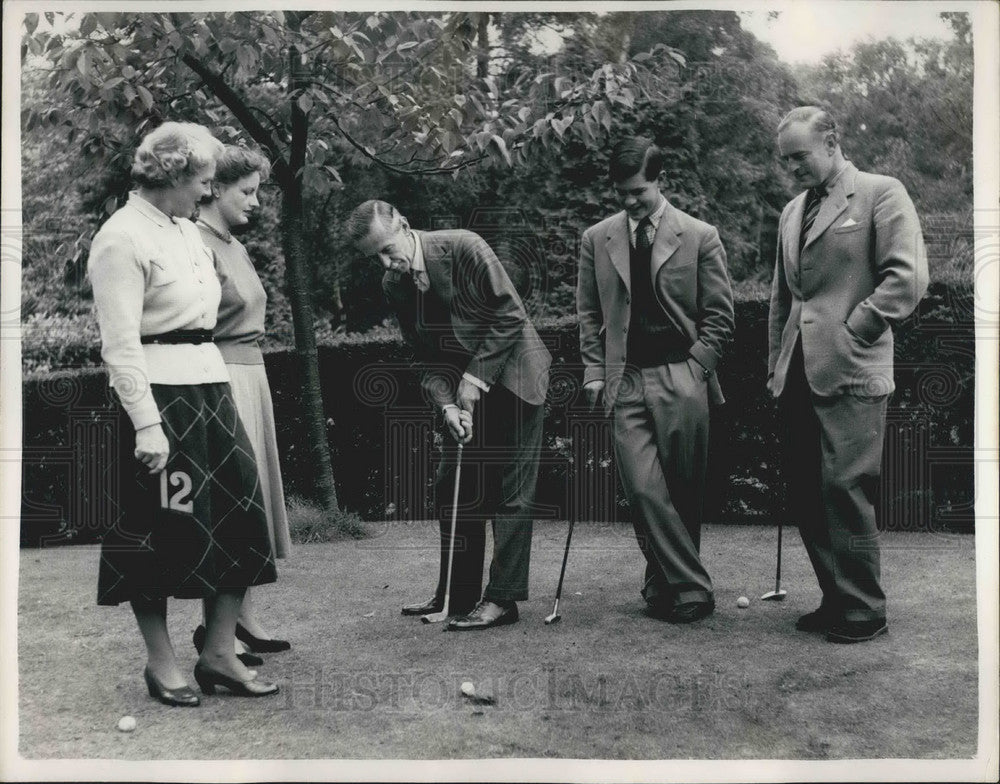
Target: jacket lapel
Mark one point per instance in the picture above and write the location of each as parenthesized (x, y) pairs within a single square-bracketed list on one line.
[(438, 262), (618, 248), (833, 205), (793, 227), (666, 241)]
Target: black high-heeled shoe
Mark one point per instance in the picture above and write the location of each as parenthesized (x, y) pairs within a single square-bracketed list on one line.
[(184, 697), (208, 679), (259, 644), (248, 659)]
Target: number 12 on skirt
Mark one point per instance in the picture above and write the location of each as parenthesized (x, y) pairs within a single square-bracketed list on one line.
[(179, 501)]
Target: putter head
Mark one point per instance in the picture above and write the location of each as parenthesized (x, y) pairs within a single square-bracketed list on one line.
[(774, 596), (554, 618), (437, 617)]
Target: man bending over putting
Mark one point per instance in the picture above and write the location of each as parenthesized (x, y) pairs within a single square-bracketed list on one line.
[(488, 374)]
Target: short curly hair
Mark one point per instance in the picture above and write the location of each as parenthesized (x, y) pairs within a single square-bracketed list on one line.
[(173, 152), (238, 161)]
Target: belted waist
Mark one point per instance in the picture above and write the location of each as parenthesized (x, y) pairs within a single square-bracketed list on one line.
[(653, 345), (180, 336)]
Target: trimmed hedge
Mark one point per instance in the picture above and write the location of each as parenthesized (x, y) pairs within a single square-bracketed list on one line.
[(382, 433)]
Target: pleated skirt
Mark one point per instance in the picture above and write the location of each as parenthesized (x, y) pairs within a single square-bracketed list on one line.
[(253, 402)]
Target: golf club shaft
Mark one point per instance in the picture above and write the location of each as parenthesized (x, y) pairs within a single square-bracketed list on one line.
[(562, 571), (454, 525), (777, 574)]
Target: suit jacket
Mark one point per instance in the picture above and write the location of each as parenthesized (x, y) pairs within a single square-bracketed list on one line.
[(487, 330), (690, 281), (862, 268)]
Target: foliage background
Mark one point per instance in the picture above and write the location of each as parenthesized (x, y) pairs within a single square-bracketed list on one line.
[(905, 108)]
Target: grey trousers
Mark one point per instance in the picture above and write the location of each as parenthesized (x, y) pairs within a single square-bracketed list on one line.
[(499, 473), (832, 461), (661, 445)]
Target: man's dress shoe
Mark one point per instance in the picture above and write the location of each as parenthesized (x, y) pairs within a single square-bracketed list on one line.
[(432, 605), (819, 620), (688, 612), (857, 631), (483, 616)]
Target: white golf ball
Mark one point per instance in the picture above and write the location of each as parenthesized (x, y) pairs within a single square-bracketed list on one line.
[(126, 723), (743, 602), (468, 688)]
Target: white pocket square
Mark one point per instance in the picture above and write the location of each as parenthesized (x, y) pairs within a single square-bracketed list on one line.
[(848, 222)]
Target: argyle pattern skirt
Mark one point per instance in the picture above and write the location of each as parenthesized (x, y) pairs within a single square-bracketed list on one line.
[(198, 526)]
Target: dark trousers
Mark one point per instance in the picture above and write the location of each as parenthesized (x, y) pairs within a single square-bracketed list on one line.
[(832, 456), (499, 472), (661, 445)]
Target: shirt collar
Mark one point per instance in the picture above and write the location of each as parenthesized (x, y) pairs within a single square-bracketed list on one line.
[(828, 185), (417, 262), (654, 217), (148, 210)]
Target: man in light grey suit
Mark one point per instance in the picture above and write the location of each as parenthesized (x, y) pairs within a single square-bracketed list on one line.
[(656, 312), (850, 263)]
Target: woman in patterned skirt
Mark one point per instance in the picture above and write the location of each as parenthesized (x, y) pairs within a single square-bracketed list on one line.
[(189, 519), (238, 331)]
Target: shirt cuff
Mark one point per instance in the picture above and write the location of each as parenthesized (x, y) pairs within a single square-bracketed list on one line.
[(446, 406), (478, 382)]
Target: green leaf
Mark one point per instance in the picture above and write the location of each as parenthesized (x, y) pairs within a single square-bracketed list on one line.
[(407, 45), (87, 25), (31, 23), (305, 103), (83, 63)]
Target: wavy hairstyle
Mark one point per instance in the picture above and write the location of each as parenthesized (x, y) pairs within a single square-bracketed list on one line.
[(172, 153), (238, 161)]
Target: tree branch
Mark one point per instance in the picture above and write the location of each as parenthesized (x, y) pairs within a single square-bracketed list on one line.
[(242, 111)]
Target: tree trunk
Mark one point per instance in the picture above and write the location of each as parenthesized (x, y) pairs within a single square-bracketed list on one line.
[(483, 52), (297, 284)]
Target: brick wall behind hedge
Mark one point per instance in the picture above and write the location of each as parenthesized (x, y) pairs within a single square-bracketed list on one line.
[(381, 433)]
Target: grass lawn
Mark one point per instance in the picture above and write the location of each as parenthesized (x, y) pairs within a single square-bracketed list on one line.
[(363, 682)]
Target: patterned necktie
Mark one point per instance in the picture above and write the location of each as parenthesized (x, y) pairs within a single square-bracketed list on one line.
[(423, 282), (642, 239), (813, 201)]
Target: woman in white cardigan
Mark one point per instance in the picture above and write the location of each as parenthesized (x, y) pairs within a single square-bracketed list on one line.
[(188, 520)]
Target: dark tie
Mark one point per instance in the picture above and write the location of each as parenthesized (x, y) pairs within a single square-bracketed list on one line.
[(422, 280), (814, 198), (642, 238)]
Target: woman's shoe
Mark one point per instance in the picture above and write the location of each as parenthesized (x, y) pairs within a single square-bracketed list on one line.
[(259, 644), (248, 659), (209, 679), (184, 697)]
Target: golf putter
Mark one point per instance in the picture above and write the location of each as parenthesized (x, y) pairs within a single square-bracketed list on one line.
[(555, 616), (779, 593), (443, 615)]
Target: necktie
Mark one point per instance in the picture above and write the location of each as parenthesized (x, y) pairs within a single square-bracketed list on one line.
[(642, 239), (813, 201), (423, 282)]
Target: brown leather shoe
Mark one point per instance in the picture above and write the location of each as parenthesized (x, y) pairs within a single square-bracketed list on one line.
[(483, 616), (432, 605)]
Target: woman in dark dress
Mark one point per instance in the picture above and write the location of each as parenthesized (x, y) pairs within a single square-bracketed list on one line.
[(189, 521)]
